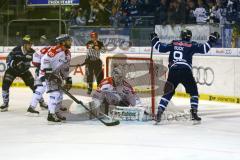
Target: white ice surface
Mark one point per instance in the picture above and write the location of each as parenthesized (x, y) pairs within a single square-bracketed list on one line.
[(31, 138)]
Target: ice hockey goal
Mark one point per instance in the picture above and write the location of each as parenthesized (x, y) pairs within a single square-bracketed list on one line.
[(145, 75)]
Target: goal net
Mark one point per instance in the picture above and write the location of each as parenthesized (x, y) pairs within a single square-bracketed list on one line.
[(146, 76)]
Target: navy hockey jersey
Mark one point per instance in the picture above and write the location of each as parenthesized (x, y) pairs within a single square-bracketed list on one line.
[(17, 55), (181, 52)]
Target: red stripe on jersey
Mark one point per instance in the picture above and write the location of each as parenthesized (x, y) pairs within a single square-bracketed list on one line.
[(55, 50), (44, 50)]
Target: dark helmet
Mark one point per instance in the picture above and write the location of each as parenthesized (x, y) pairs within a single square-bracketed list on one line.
[(186, 35), (62, 38), (27, 39)]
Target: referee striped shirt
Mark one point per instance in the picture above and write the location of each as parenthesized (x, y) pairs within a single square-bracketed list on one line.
[(92, 53)]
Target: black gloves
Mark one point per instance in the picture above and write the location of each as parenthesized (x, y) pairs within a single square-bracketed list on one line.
[(68, 83), (213, 38), (48, 72), (19, 66), (153, 35)]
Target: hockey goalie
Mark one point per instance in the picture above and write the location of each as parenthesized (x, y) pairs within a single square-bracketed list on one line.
[(117, 97)]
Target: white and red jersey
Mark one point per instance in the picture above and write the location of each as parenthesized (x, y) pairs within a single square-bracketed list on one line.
[(58, 60), (107, 84), (37, 56), (125, 90)]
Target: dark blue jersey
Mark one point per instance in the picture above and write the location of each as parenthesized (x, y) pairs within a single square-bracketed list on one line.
[(181, 52), (17, 55)]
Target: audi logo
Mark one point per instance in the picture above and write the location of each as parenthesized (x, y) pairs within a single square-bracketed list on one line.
[(203, 76)]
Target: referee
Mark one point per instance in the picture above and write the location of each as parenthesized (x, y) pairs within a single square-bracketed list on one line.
[(93, 61)]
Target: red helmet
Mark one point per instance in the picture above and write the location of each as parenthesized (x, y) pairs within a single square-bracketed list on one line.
[(93, 34)]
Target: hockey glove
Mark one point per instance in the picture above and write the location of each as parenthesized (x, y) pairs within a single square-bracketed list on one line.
[(68, 83), (213, 38), (19, 66), (153, 35), (28, 57), (50, 76), (48, 72)]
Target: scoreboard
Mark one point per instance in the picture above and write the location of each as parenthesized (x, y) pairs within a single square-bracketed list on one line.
[(52, 2)]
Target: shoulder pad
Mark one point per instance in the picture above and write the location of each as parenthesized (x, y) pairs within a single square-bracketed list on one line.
[(54, 51), (18, 48), (44, 50)]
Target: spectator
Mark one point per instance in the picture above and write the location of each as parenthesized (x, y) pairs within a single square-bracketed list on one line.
[(190, 7), (115, 18), (173, 13), (93, 11), (73, 15), (81, 19), (200, 13), (131, 10), (105, 9), (161, 12), (215, 14)]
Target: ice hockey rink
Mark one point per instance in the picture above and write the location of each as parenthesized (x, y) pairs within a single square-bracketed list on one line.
[(31, 138)]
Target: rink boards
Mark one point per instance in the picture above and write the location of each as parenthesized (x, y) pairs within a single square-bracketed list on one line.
[(218, 77)]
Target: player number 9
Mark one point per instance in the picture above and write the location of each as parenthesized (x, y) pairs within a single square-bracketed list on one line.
[(177, 55)]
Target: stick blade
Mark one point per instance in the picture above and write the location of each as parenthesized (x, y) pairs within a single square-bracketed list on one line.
[(113, 123)]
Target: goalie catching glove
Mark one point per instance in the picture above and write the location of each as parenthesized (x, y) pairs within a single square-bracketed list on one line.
[(68, 83)]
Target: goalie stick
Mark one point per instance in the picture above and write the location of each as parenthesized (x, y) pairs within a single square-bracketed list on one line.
[(108, 121)]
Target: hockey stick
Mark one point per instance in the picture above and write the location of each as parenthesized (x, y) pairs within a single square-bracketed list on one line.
[(78, 65), (110, 123)]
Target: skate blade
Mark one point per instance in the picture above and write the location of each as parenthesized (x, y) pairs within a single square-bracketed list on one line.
[(194, 122), (4, 110), (31, 114)]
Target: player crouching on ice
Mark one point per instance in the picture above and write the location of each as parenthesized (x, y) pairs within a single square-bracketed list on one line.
[(180, 68), (55, 70), (116, 92)]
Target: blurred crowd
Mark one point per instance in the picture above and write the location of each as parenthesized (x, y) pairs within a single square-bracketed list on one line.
[(126, 13)]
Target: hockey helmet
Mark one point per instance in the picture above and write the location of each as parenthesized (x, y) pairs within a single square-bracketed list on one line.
[(63, 38), (186, 35), (27, 39)]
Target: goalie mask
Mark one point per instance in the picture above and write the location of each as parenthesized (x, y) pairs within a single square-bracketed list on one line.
[(117, 75)]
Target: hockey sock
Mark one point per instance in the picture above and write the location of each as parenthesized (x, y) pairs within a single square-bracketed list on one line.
[(5, 96), (194, 102)]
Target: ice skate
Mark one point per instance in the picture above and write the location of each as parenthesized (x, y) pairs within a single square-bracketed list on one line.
[(31, 112), (194, 117), (158, 116), (53, 119), (4, 107)]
